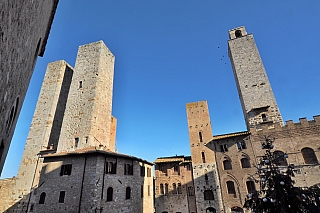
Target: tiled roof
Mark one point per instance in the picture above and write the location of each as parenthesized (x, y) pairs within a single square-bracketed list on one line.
[(230, 135), (92, 150)]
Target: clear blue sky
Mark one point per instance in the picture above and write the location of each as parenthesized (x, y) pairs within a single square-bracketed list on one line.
[(172, 52)]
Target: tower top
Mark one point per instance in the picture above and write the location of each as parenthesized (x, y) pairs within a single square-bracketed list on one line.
[(237, 32)]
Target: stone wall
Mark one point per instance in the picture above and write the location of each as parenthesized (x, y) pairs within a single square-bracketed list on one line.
[(86, 188), (25, 27)]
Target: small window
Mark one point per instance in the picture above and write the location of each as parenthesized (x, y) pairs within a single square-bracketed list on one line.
[(245, 163), (1, 148), (163, 169), (179, 189), (174, 186), (241, 145), (142, 171), (161, 189), (62, 196), (149, 172), (166, 188), (208, 195), (149, 190), (128, 193), (188, 166), (206, 177), (200, 136), (203, 157), (80, 84), (176, 168), (42, 198), (190, 191), (128, 170), (111, 168), (141, 190), (31, 207), (309, 156), (238, 33), (76, 142), (109, 194), (227, 165), (223, 147), (264, 117), (250, 186), (66, 169), (230, 187)]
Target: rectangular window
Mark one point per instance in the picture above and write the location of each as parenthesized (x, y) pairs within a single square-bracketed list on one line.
[(128, 169), (149, 172), (200, 136), (224, 147), (141, 190), (111, 167), (142, 171), (66, 169), (76, 142), (61, 196), (148, 190)]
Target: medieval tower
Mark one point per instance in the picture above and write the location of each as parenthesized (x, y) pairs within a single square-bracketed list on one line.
[(258, 102), (203, 161)]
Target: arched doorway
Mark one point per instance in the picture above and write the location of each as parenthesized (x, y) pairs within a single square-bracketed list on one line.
[(211, 210), (236, 209)]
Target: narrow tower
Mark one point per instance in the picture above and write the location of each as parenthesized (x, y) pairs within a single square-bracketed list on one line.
[(203, 159), (257, 99), (87, 121)]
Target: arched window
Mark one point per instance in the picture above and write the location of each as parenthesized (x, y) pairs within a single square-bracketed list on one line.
[(42, 198), (279, 158), (208, 195), (109, 194), (245, 163), (161, 189), (200, 136), (211, 210), (309, 156), (250, 186), (238, 33), (179, 188), (230, 187), (166, 190), (128, 193), (174, 186), (227, 165)]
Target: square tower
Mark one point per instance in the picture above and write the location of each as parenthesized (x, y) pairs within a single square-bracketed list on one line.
[(88, 120), (257, 99)]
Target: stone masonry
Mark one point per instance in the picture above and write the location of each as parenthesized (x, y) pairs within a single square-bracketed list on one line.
[(256, 96), (206, 184), (71, 143), (24, 30), (174, 187)]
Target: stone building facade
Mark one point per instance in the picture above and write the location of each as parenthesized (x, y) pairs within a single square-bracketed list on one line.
[(24, 31), (233, 157), (174, 187), (71, 142)]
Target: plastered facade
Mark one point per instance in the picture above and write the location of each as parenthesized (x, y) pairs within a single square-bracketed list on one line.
[(174, 187), (25, 27)]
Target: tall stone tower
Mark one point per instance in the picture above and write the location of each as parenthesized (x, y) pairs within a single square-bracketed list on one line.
[(87, 121), (257, 99), (203, 161), (45, 127)]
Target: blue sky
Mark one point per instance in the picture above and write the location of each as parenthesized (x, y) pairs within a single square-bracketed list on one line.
[(169, 53)]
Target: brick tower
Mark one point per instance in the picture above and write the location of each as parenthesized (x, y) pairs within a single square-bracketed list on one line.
[(88, 121), (257, 99), (203, 161)]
